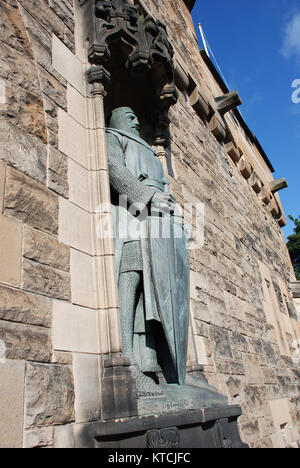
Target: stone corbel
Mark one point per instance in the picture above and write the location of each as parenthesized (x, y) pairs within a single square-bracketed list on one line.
[(199, 104), (218, 127), (277, 185), (265, 196), (98, 75), (245, 168), (282, 221), (233, 151), (182, 80), (217, 123), (274, 209), (255, 183), (228, 102), (186, 83)]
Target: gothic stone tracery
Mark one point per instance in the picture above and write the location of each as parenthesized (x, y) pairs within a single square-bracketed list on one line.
[(116, 27)]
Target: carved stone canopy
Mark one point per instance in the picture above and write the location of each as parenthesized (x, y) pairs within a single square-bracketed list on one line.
[(118, 28)]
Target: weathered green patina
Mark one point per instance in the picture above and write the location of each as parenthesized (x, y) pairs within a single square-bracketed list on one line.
[(151, 256)]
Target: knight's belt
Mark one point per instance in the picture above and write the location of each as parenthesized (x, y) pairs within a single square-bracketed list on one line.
[(155, 183)]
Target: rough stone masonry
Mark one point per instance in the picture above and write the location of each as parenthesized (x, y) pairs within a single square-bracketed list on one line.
[(58, 295)]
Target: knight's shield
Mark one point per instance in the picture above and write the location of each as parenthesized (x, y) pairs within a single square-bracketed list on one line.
[(171, 281)]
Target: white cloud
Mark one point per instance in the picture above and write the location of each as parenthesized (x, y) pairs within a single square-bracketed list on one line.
[(291, 42)]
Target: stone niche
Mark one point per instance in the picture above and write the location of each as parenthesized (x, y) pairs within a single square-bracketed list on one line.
[(131, 63), (132, 58), (136, 91)]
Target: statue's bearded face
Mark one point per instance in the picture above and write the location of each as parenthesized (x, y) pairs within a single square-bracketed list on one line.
[(125, 119)]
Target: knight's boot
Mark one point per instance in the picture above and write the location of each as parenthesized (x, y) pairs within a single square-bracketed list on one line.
[(145, 386)]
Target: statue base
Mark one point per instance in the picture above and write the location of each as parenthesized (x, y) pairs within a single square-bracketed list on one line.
[(181, 398), (193, 415), (203, 428)]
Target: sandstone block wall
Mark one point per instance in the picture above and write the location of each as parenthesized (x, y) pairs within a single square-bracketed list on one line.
[(36, 385), (242, 310), (58, 299)]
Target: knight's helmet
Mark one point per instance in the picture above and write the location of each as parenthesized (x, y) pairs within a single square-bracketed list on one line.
[(118, 119)]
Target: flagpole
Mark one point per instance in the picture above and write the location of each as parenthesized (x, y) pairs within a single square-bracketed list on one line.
[(203, 38)]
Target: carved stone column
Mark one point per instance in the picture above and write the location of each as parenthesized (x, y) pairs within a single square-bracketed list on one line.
[(118, 384), (162, 156)]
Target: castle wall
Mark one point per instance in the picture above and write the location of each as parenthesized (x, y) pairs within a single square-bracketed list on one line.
[(242, 307), (58, 294)]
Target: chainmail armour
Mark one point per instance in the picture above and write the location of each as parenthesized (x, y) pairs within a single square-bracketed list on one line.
[(131, 269), (121, 178), (132, 258), (130, 284)]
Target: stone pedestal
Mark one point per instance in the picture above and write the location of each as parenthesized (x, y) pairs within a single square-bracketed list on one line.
[(181, 398), (205, 428)]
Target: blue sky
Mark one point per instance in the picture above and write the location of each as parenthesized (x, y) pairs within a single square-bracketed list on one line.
[(257, 45)]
